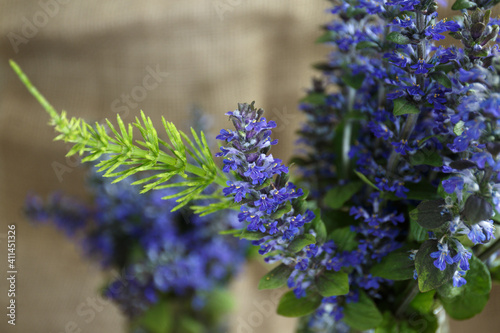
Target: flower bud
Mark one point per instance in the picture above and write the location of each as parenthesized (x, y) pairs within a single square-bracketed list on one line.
[(491, 36), (493, 148), (477, 16), (456, 34), (477, 30)]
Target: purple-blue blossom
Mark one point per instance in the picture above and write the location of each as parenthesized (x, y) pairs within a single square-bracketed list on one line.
[(182, 254), (458, 279), (442, 256), (462, 257), (481, 232), (421, 67)]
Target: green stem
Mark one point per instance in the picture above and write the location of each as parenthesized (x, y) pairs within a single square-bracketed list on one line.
[(407, 300), (411, 119), (486, 254), (347, 133)]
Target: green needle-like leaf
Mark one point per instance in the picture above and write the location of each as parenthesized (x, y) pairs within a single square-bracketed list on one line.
[(125, 156)]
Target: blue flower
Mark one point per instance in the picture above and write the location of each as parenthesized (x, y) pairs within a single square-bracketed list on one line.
[(415, 91), (406, 5), (473, 75), (435, 31), (227, 135), (453, 184), (492, 105), (273, 228), (265, 203), (404, 22), (437, 99), (397, 59), (302, 264), (458, 280), (372, 6), (158, 251), (231, 164), (402, 147), (483, 159), (443, 256), (380, 130), (481, 232), (421, 67), (445, 55), (462, 257), (239, 189), (399, 189), (254, 172)]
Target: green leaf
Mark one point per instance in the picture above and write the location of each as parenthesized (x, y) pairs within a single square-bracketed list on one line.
[(319, 227), (431, 214), (157, 318), (442, 79), (332, 284), (291, 306), (339, 195), (336, 219), (233, 232), (300, 242), (344, 239), (421, 191), (423, 302), (419, 323), (448, 291), (191, 325), (366, 180), (328, 36), (276, 278), (459, 128), (398, 38), (282, 211), (314, 99), (366, 44), (362, 315), (446, 68), (463, 4), (417, 232), (388, 325), (427, 157), (474, 295), (416, 323), (252, 235), (354, 81), (324, 66), (429, 276), (402, 106), (395, 266), (145, 154)]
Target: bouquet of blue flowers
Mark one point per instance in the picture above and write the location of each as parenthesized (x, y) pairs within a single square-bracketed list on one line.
[(391, 219), (171, 269)]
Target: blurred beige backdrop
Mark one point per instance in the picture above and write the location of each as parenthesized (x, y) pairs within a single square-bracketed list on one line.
[(92, 59)]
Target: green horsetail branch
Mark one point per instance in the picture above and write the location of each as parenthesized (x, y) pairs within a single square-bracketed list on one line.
[(119, 149)]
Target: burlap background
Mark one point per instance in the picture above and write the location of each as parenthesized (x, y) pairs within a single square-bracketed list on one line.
[(85, 56)]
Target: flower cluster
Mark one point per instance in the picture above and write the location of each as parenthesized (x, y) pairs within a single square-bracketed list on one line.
[(271, 205), (157, 252), (408, 116), (273, 209)]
